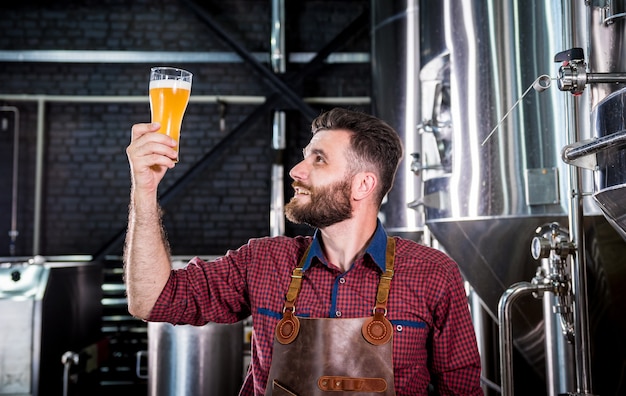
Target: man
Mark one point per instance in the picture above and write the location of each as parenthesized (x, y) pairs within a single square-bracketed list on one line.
[(349, 309)]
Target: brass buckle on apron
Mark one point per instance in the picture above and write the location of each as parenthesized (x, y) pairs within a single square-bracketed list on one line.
[(288, 327), (377, 330), (333, 341), (351, 384)]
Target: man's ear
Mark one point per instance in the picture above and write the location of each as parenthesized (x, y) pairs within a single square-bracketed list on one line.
[(363, 185)]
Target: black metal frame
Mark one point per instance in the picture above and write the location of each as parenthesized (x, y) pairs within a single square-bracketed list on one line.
[(281, 91)]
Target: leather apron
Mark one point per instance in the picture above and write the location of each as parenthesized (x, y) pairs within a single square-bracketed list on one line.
[(314, 357)]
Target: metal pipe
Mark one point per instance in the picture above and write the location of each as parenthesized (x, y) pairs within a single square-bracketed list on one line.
[(559, 359), (507, 299), (13, 232), (277, 45), (272, 80), (14, 188), (155, 57), (39, 175), (234, 99), (482, 326), (277, 199), (575, 216), (609, 78), (575, 151), (579, 274), (228, 99), (277, 39), (68, 360), (574, 78), (277, 218)]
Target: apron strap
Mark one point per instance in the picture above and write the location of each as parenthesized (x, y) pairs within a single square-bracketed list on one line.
[(296, 284), (377, 330), (288, 327), (385, 279)]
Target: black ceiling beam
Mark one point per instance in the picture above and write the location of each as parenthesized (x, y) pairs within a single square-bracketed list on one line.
[(208, 159), (354, 29), (351, 31), (268, 76), (225, 143)]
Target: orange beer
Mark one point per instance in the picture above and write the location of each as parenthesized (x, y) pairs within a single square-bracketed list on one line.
[(169, 95)]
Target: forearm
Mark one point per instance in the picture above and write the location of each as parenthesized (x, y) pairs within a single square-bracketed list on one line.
[(147, 261)]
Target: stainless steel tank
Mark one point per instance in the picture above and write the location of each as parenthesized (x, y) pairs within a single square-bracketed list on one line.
[(491, 145), (607, 35), (49, 306), (395, 42), (195, 360), (507, 181), (503, 188), (609, 121)]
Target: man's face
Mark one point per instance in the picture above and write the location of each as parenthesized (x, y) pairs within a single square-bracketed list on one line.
[(326, 206), (322, 182)]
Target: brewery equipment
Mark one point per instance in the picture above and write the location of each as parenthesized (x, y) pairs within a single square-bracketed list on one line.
[(193, 360), (49, 305), (503, 190)]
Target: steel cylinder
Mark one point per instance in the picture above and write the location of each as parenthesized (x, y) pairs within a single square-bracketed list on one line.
[(195, 360)]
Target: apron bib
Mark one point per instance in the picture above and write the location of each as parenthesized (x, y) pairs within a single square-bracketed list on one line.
[(316, 357)]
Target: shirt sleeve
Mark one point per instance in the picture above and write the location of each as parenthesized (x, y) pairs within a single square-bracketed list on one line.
[(455, 357), (204, 291)]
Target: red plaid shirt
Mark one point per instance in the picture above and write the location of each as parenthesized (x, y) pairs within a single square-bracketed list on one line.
[(433, 340)]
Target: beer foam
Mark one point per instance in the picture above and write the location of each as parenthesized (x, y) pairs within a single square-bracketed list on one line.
[(176, 84)]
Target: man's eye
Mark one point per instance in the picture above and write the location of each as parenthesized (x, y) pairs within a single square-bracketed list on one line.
[(319, 158)]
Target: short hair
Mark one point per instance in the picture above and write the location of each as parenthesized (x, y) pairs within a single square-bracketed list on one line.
[(374, 143)]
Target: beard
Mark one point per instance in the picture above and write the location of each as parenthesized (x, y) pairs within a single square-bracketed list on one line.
[(327, 205)]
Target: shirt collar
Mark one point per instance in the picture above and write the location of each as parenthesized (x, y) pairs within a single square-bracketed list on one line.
[(377, 249)]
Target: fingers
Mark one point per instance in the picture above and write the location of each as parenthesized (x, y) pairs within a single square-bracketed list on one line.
[(138, 130), (150, 148)]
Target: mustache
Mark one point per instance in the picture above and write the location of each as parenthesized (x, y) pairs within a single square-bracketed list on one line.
[(299, 184)]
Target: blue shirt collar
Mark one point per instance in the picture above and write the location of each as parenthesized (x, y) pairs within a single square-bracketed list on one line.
[(377, 248)]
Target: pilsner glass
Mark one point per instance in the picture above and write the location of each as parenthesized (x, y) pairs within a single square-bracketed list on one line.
[(169, 94)]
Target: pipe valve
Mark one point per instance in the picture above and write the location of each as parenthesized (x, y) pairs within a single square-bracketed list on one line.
[(573, 75)]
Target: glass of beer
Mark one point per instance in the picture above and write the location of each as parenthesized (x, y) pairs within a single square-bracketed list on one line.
[(169, 94)]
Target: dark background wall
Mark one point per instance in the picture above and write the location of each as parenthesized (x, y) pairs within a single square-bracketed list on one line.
[(85, 173)]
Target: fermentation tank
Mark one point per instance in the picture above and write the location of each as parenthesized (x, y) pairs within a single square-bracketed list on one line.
[(194, 360), (49, 306), (493, 123)]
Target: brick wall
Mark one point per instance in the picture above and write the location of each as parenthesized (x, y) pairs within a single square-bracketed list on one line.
[(85, 173)]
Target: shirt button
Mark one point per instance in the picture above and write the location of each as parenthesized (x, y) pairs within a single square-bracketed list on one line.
[(342, 280), (338, 314), (399, 327)]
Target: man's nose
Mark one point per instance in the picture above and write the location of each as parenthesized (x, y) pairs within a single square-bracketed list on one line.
[(298, 172)]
